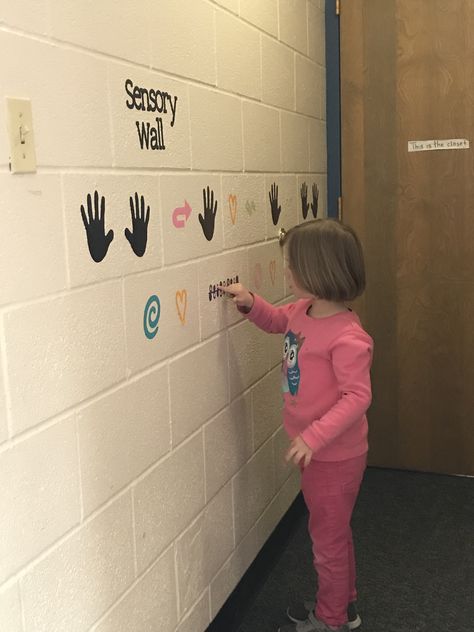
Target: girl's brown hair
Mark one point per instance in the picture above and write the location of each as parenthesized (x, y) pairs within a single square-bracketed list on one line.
[(326, 259)]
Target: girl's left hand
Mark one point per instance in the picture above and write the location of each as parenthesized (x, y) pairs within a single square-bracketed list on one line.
[(298, 451)]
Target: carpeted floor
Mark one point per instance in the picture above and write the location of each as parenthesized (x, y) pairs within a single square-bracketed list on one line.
[(414, 538)]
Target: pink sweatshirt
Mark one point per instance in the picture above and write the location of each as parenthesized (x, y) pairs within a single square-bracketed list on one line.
[(325, 376)]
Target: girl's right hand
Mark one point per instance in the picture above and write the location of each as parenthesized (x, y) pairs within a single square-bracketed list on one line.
[(240, 295)]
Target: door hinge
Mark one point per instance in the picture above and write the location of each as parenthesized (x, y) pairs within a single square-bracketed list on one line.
[(338, 7), (339, 208)]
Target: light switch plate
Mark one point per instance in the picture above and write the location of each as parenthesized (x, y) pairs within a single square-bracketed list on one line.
[(21, 136)]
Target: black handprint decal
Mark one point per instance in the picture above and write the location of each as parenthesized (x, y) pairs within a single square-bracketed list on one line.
[(304, 200), (314, 203), (276, 210), (138, 237), (94, 224), (209, 218)]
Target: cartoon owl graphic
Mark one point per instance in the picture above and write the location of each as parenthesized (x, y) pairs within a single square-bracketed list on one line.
[(290, 369)]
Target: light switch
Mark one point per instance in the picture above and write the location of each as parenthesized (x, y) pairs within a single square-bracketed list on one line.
[(20, 134)]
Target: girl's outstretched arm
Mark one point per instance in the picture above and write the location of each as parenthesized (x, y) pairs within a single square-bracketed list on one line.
[(273, 320)]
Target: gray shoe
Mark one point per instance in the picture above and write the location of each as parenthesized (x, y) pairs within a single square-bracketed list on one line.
[(311, 624), (300, 612)]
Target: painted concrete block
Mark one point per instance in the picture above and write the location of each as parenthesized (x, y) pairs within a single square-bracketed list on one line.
[(39, 499), (317, 146), (284, 192), (69, 102), (203, 548), (184, 199), (266, 270), (29, 16), (228, 443), (183, 39), (308, 86), (316, 34), (245, 211), (310, 197), (277, 508), (263, 14), (278, 74), (162, 315), (198, 386), (232, 5), (149, 119), (253, 488), (321, 182), (217, 310), (63, 350), (4, 148), (92, 260), (89, 25), (283, 470), (10, 609), (3, 408), (121, 435), (261, 137), (232, 571), (238, 56), (150, 605), (168, 499), (81, 578), (216, 130), (267, 406), (248, 357), (199, 616), (294, 142), (293, 24), (32, 251)]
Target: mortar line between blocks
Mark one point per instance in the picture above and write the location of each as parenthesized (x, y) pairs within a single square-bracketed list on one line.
[(188, 81), (6, 380), (78, 448), (22, 607), (176, 579), (129, 589), (71, 533), (66, 242), (134, 533), (214, 24)]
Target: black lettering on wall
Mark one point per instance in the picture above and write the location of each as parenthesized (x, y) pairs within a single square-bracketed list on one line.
[(151, 135)]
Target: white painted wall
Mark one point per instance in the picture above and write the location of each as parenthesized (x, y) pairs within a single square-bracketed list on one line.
[(139, 478)]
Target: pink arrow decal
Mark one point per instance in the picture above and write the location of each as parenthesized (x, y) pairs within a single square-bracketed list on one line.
[(181, 215)]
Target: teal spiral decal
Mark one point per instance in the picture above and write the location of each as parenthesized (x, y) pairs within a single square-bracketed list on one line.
[(151, 317)]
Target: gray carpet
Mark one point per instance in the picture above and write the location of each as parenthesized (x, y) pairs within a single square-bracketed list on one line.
[(414, 538)]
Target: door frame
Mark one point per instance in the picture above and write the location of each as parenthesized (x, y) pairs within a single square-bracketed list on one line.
[(333, 109)]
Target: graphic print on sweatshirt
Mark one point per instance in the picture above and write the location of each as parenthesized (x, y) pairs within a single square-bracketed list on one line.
[(290, 370)]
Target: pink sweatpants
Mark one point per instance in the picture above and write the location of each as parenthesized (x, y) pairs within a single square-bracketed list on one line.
[(330, 490)]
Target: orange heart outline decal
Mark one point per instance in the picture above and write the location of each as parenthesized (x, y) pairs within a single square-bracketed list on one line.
[(272, 267), (182, 304), (233, 207)]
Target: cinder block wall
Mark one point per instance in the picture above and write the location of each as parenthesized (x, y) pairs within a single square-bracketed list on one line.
[(141, 464)]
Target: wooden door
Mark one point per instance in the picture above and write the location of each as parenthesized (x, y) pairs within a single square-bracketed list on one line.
[(407, 73)]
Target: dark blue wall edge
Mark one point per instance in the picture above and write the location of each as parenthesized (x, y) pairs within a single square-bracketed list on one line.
[(333, 108)]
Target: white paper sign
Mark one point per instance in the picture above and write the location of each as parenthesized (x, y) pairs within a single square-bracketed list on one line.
[(432, 145)]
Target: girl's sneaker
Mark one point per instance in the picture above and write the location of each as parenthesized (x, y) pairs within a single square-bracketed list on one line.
[(311, 624), (300, 613)]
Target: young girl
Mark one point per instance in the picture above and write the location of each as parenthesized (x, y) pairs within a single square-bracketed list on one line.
[(326, 385)]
